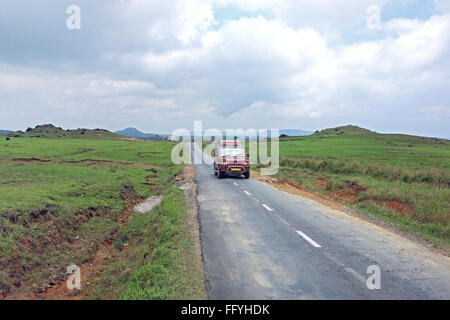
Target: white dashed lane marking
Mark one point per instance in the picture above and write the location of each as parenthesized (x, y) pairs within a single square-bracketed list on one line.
[(311, 241), (267, 207), (246, 192), (356, 275)]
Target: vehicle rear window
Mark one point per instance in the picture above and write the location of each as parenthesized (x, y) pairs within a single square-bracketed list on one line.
[(232, 152)]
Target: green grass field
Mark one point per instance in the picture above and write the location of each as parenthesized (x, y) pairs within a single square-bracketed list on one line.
[(62, 197), (160, 263)]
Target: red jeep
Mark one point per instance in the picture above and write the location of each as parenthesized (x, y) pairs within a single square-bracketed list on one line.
[(230, 159)]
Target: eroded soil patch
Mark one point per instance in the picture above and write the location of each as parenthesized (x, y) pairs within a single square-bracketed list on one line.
[(30, 160), (91, 271), (320, 183), (395, 205), (153, 175), (349, 193), (152, 186)]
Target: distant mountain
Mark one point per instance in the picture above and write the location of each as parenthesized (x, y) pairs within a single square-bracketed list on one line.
[(295, 132), (268, 133), (135, 133), (2, 132)]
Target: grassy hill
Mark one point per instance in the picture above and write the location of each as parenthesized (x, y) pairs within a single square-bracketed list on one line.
[(351, 130), (399, 178), (50, 131), (67, 197), (367, 146), (344, 130)]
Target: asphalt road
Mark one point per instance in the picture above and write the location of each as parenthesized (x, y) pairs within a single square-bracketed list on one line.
[(261, 243)]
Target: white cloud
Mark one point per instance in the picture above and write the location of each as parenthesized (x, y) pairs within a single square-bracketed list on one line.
[(168, 63), (441, 5), (433, 113)]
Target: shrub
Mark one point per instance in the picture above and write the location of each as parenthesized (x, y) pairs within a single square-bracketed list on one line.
[(329, 185), (406, 177)]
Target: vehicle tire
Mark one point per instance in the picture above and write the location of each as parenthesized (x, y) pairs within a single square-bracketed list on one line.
[(247, 175)]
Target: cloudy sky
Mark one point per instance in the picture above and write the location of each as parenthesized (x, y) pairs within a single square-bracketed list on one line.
[(160, 65)]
